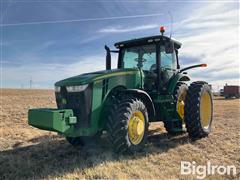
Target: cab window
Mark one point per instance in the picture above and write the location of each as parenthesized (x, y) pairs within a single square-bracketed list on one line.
[(168, 60)]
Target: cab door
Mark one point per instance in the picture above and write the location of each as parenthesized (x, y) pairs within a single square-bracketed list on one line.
[(168, 67)]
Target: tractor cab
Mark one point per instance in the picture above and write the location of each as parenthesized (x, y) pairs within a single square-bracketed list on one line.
[(155, 56)]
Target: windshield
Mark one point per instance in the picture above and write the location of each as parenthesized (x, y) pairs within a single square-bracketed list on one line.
[(143, 57)]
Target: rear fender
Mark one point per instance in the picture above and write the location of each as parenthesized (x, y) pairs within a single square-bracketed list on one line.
[(178, 77)]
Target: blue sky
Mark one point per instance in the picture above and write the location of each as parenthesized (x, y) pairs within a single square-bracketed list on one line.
[(51, 40)]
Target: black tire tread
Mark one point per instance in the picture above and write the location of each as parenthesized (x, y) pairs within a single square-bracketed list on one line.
[(117, 123), (192, 111)]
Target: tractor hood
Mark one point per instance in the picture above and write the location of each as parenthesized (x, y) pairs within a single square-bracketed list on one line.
[(94, 76)]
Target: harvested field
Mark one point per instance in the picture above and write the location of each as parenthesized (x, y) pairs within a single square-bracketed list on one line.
[(30, 153)]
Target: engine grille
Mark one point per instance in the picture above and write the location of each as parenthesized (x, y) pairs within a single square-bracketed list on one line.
[(79, 102)]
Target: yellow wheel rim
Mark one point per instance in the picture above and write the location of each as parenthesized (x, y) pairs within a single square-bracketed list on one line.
[(181, 104), (205, 110), (136, 127)]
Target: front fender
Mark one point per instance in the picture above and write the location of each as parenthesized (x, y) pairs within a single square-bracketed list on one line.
[(144, 96), (178, 77)]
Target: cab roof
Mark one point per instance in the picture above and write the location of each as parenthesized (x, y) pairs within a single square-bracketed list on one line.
[(147, 40)]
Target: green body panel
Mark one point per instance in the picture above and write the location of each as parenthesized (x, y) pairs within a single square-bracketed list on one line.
[(96, 76), (165, 107), (174, 80), (162, 98), (61, 121), (103, 83), (118, 79)]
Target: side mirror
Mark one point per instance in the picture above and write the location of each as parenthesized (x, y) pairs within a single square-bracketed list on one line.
[(169, 48)]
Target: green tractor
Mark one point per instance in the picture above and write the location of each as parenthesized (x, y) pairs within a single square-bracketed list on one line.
[(147, 86)]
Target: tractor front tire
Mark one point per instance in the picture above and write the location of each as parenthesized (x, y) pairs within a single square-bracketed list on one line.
[(198, 110), (127, 125)]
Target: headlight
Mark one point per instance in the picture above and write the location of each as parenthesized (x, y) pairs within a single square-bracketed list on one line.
[(57, 88), (77, 88)]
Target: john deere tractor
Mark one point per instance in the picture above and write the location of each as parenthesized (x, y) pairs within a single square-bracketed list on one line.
[(148, 86)]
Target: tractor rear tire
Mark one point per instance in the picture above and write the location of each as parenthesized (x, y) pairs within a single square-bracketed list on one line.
[(179, 96), (127, 124), (198, 110)]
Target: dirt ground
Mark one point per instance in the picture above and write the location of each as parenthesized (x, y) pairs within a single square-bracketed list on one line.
[(30, 153)]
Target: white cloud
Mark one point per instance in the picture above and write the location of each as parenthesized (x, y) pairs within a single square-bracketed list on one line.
[(120, 29), (214, 39)]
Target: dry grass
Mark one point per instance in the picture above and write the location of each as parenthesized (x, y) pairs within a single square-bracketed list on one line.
[(29, 153)]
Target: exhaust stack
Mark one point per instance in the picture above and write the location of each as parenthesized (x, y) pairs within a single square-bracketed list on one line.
[(108, 58)]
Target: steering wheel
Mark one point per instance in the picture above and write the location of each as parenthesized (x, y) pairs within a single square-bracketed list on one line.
[(140, 59)]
